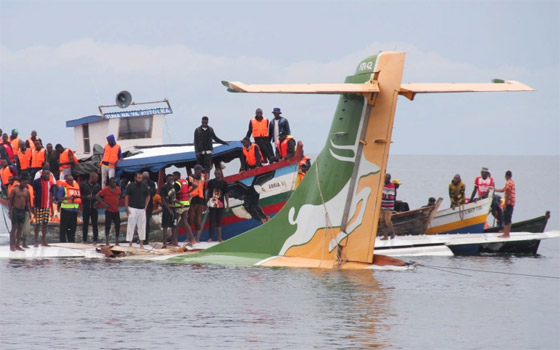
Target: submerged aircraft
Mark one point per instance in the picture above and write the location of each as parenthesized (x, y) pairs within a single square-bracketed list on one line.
[(331, 219)]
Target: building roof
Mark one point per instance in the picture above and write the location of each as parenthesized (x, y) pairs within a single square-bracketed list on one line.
[(83, 120)]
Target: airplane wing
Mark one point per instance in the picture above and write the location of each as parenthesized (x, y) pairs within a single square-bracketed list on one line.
[(342, 88), (410, 90)]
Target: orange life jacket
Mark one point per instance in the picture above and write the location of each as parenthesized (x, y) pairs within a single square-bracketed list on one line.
[(38, 158), (32, 143), (283, 146), (249, 154), (64, 157), (199, 192), (24, 158), (71, 190), (5, 174), (260, 128), (15, 144), (183, 196), (110, 155)]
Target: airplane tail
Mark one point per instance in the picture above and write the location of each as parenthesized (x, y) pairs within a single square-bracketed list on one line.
[(331, 218)]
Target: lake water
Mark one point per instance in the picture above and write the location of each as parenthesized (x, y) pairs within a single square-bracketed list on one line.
[(485, 302)]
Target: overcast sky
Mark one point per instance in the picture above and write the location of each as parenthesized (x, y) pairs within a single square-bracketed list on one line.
[(60, 60)]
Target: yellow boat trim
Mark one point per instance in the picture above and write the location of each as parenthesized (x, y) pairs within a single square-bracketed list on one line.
[(456, 225)]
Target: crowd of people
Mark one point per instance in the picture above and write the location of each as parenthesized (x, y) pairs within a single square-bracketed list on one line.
[(38, 182), (483, 185)]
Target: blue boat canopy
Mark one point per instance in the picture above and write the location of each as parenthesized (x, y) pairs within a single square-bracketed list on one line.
[(155, 158)]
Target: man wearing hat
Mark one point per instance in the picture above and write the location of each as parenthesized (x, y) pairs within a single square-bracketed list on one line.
[(277, 126), (400, 206)]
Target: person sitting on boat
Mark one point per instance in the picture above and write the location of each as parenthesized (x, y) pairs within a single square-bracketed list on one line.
[(400, 206), (387, 207), (431, 202), (286, 146), (456, 191), (258, 127), (252, 155), (509, 193), (204, 136), (482, 186), (111, 155)]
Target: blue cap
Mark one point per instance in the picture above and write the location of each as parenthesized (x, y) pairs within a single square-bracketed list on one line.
[(198, 167), (276, 110)]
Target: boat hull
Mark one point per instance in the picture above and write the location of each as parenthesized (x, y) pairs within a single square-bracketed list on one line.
[(466, 218)]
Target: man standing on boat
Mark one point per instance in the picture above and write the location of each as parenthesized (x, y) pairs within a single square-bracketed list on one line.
[(109, 197), (52, 158), (252, 155), (387, 207), (183, 190), (69, 194), (482, 186), (218, 202), (43, 205), (277, 126), (31, 142), (10, 152), (509, 192), (19, 207), (149, 210), (89, 190), (38, 158), (66, 160), (111, 155), (198, 203), (136, 201), (23, 159), (259, 127), (456, 191), (286, 146), (203, 143), (168, 193)]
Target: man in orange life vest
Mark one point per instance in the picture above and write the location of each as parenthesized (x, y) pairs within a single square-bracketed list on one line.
[(286, 146), (66, 159), (15, 140), (69, 195), (183, 189), (5, 173), (38, 157), (258, 126), (24, 155), (111, 155), (31, 141), (251, 155)]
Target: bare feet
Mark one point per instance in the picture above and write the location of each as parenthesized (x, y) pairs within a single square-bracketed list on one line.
[(44, 244), (36, 244), (210, 240), (219, 240), (141, 246), (385, 238), (503, 236), (13, 249), (20, 248), (130, 244), (25, 246)]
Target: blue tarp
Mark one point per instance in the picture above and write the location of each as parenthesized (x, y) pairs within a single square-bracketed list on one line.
[(155, 163)]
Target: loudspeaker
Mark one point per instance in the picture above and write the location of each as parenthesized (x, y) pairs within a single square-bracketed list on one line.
[(123, 99)]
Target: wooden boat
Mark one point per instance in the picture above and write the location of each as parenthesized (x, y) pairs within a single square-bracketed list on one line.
[(414, 222), (537, 224), (466, 218)]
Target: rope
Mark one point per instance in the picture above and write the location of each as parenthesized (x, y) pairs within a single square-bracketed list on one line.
[(486, 271), (328, 223)]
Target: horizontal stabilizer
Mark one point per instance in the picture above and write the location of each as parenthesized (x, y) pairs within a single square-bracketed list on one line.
[(341, 88), (410, 90)]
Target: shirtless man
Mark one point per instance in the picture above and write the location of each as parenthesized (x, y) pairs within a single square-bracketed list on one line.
[(19, 206)]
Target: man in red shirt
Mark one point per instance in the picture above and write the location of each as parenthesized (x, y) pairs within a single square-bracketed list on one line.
[(109, 196), (387, 208), (482, 186), (509, 192)]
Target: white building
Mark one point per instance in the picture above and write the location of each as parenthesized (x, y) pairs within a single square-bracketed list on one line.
[(136, 125)]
